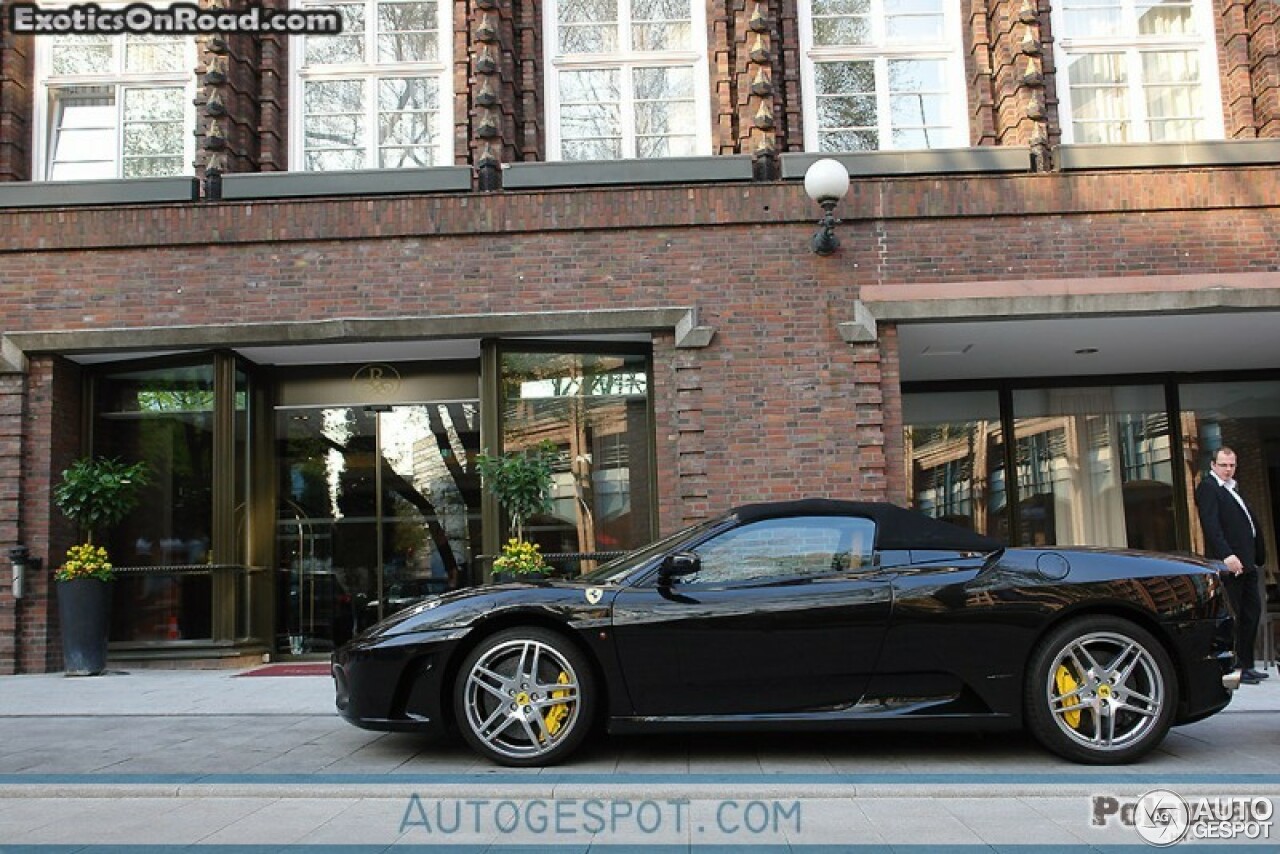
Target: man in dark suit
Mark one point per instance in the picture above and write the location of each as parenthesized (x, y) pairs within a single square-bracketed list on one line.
[(1232, 535)]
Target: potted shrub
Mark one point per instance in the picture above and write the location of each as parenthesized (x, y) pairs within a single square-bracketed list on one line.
[(93, 493), (521, 483)]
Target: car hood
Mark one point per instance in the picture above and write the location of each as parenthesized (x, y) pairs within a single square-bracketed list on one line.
[(572, 601)]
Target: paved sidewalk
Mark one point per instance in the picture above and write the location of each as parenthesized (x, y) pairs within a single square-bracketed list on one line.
[(203, 760)]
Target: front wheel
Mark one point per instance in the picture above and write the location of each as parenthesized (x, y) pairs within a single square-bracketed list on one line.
[(1100, 690), (524, 697)]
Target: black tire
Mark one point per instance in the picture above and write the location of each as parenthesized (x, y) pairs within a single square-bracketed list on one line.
[(1100, 690), (524, 697)]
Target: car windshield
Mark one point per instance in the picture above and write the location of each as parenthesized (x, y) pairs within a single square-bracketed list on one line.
[(613, 571)]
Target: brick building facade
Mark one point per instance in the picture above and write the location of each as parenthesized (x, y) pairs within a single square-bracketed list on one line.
[(1016, 266)]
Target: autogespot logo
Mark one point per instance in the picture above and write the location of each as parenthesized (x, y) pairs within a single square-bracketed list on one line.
[(1162, 817)]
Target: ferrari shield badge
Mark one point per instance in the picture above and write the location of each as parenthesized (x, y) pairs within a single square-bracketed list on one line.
[(594, 594)]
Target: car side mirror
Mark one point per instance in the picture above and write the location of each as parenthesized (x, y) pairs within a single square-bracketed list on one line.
[(679, 564)]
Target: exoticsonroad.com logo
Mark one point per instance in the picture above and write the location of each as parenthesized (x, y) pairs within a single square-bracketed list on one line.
[(178, 19)]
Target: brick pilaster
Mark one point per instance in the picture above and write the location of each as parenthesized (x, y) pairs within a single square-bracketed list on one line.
[(1264, 58), (16, 94)]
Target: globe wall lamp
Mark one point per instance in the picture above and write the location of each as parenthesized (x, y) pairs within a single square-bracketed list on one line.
[(826, 182)]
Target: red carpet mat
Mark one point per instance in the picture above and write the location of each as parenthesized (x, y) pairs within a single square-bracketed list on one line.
[(305, 668)]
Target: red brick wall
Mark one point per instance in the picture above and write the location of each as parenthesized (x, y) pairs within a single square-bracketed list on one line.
[(51, 441)]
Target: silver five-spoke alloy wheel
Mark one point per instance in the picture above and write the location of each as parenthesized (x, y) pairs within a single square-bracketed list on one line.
[(1101, 690), (1105, 690), (522, 697)]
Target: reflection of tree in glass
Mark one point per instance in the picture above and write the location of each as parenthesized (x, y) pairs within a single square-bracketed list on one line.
[(407, 32)]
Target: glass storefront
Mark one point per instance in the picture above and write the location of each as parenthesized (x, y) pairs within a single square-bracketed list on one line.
[(165, 417), (1243, 416), (1092, 464), (594, 409), (1093, 467), (955, 450), (378, 506)]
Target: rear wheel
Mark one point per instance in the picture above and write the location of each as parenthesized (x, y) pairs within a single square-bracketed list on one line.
[(1100, 690), (524, 697)]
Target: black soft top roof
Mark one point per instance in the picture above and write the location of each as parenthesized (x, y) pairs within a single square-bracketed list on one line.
[(896, 527)]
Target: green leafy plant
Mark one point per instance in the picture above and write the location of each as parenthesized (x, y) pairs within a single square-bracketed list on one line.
[(520, 481), (96, 493), (85, 561), (520, 558)]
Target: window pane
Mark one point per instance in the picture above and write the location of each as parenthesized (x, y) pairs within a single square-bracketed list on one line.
[(1094, 467), (1099, 97), (846, 103), (1085, 18), (664, 109), (144, 54), (918, 103), (955, 459), (84, 146), (154, 130), (334, 120), (853, 112), (344, 48), (914, 20), (845, 78), (851, 140), (917, 75), (850, 31), (661, 25), (590, 115), (595, 410), (1165, 17), (165, 418), (81, 55), (588, 26), (152, 167), (407, 32)]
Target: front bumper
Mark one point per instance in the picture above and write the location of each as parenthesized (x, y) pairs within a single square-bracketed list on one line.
[(394, 682)]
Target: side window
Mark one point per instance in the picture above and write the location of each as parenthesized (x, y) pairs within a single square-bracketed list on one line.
[(786, 548)]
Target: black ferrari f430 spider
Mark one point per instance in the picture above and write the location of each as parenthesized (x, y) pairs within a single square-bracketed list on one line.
[(811, 614)]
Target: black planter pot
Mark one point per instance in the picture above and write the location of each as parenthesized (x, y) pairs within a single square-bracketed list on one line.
[(84, 609)]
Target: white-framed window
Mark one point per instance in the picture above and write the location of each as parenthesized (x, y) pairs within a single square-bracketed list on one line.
[(1137, 71), (626, 79), (882, 75), (114, 106), (380, 94)]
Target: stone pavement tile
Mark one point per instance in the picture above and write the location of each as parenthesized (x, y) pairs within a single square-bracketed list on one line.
[(367, 821), (821, 821), (1073, 817), (1003, 821), (915, 821), (136, 821), (280, 822)]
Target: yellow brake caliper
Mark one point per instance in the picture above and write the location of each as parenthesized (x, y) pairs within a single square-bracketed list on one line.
[(554, 718), (1066, 683)]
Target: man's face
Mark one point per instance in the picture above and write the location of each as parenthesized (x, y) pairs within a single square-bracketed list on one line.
[(1224, 465)]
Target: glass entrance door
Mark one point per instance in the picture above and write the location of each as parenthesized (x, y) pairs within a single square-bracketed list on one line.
[(378, 506)]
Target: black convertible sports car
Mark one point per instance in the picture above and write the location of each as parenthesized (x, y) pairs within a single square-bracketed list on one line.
[(810, 614)]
